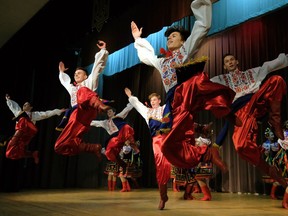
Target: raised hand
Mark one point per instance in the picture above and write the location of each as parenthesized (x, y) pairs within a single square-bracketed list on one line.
[(135, 30), (62, 67), (101, 44), (63, 110), (128, 92), (7, 96)]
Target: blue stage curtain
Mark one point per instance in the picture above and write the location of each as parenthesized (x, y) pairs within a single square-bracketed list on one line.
[(226, 13)]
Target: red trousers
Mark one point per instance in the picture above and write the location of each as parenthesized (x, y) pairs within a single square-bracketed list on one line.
[(79, 123), (244, 137), (115, 144), (196, 94), (163, 167), (25, 130)]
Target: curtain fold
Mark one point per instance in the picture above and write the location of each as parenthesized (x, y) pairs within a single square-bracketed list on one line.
[(253, 43), (226, 14)]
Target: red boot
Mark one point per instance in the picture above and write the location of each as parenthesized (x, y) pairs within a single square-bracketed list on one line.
[(175, 187), (163, 196), (124, 187), (212, 155), (206, 193), (273, 190), (188, 192)]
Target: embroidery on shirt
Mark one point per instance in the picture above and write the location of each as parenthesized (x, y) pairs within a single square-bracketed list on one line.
[(239, 81), (168, 71), (155, 113)]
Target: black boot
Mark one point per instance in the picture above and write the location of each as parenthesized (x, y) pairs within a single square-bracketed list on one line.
[(188, 192)]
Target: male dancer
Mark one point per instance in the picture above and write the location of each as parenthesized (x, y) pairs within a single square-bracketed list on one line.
[(187, 94), (25, 129), (120, 133), (264, 98), (82, 93), (154, 119)]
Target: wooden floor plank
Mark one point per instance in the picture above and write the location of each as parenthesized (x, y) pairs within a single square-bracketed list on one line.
[(137, 202)]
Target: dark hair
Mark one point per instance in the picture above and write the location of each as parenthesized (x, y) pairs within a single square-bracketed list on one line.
[(227, 54), (28, 103), (83, 69), (113, 109), (183, 32)]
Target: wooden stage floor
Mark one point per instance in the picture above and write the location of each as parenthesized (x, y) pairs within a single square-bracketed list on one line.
[(78, 202)]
